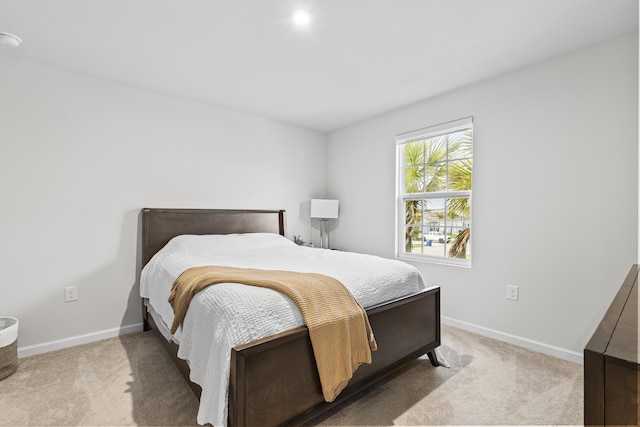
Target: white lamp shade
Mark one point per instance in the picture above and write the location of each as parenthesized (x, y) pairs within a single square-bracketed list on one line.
[(324, 208)]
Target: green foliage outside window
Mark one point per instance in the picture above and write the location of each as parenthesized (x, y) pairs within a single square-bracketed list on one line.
[(438, 171)]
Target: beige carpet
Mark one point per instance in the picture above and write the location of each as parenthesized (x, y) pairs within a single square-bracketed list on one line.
[(131, 381)]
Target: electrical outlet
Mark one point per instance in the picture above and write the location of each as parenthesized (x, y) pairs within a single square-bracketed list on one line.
[(70, 293), (512, 292)]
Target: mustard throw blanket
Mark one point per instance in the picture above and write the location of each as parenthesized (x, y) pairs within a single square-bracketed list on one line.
[(339, 329)]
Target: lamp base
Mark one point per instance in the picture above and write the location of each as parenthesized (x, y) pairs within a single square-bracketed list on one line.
[(324, 236)]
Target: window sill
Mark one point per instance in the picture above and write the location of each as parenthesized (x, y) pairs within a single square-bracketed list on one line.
[(454, 262)]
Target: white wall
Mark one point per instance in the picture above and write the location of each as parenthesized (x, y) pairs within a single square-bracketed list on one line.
[(555, 194), (555, 149), (80, 157)]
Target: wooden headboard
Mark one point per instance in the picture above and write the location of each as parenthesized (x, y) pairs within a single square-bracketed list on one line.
[(161, 225)]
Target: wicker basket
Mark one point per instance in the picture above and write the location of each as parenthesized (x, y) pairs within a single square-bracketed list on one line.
[(8, 346)]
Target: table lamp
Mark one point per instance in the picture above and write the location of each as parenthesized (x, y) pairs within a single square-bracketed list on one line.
[(324, 210)]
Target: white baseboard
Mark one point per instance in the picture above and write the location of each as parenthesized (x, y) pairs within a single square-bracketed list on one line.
[(558, 352), (32, 350)]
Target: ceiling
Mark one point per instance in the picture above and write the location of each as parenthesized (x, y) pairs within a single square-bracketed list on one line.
[(356, 59)]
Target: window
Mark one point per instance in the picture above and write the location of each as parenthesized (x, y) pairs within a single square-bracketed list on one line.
[(434, 193)]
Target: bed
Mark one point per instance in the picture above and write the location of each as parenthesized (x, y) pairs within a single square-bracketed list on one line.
[(274, 380)]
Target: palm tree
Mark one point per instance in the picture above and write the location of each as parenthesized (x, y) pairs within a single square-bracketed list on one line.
[(414, 180), (458, 248), (426, 171), (452, 215), (460, 178)]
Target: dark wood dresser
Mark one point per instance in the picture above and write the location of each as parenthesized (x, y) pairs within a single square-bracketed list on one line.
[(611, 362)]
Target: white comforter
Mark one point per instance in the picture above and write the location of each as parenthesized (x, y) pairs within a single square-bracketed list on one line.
[(223, 316)]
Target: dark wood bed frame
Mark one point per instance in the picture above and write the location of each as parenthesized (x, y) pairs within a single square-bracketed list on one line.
[(274, 381)]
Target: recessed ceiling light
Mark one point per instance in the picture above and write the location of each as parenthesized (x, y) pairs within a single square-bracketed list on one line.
[(301, 18), (10, 39)]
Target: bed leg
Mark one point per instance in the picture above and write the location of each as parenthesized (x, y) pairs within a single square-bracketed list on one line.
[(433, 358), (146, 326)]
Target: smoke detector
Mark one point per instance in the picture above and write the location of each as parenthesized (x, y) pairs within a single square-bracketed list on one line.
[(10, 39)]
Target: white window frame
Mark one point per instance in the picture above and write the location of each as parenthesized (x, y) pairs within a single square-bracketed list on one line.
[(402, 196)]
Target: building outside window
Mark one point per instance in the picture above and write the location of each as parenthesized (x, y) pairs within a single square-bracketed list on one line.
[(434, 174)]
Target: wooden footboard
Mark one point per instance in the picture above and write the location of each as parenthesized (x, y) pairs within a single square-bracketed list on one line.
[(274, 381)]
